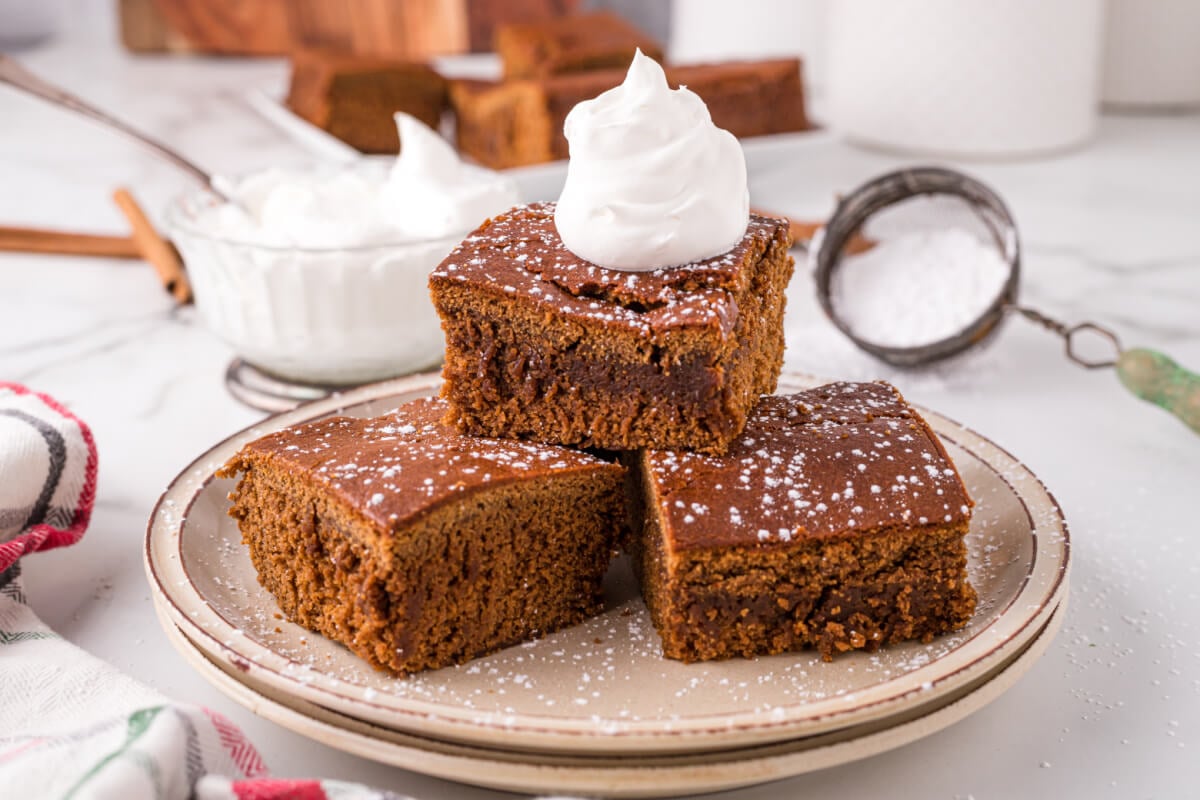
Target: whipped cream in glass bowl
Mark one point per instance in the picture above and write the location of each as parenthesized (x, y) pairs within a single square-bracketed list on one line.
[(319, 275)]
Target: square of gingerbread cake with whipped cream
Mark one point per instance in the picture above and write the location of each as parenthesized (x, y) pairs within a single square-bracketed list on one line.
[(643, 309)]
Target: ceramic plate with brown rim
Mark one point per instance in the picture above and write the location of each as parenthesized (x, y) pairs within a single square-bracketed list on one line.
[(602, 686), (650, 775)]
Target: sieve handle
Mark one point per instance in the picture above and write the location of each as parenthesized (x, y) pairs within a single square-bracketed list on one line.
[(1154, 377)]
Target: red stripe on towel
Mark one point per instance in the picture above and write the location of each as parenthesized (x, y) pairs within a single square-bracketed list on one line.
[(42, 536)]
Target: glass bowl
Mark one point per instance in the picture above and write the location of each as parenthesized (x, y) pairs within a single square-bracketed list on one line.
[(333, 316)]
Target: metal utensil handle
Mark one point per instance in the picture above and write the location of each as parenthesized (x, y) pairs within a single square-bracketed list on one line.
[(16, 75), (1148, 374), (1070, 334), (1157, 379)]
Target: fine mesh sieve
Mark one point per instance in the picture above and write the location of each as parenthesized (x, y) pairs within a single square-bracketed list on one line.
[(910, 202)]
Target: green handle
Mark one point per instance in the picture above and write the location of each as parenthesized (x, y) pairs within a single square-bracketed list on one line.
[(1157, 379)]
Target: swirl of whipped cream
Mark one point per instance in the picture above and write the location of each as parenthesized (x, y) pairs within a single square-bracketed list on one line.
[(426, 193), (652, 182)]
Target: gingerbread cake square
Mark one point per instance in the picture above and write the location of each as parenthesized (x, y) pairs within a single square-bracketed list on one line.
[(354, 97), (545, 346), (520, 122), (835, 521), (417, 547), (572, 43)]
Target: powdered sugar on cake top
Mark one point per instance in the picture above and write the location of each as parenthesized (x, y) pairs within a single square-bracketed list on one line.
[(841, 458), (519, 252), (395, 466)]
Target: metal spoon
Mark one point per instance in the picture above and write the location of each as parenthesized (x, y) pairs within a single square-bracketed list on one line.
[(1148, 374), (17, 76)]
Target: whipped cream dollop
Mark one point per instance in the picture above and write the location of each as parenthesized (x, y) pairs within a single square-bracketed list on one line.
[(427, 193), (652, 182)]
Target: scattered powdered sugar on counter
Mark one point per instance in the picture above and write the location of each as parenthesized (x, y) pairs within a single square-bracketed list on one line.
[(918, 288)]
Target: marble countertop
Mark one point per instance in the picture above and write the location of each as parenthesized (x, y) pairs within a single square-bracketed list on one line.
[(1110, 235)]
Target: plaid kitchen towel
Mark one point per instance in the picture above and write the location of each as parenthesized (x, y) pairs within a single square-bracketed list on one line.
[(47, 474), (72, 726)]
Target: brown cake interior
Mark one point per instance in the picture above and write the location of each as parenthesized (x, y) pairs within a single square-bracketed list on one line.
[(354, 97), (543, 345), (418, 548), (835, 521)]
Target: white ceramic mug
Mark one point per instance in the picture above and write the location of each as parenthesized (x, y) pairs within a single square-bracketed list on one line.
[(1152, 54), (1002, 78), (717, 30)]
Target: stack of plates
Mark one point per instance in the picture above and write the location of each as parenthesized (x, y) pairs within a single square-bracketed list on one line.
[(595, 709)]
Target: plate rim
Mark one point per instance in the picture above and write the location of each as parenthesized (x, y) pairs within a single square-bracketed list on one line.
[(574, 733), (777, 761)]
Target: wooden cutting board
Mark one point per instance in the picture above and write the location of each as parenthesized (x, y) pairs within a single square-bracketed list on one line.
[(397, 28)]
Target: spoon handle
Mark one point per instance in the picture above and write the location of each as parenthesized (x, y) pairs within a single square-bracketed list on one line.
[(16, 75), (1154, 377)]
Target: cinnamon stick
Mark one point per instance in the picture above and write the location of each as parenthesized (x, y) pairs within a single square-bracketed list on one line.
[(38, 240), (154, 248)]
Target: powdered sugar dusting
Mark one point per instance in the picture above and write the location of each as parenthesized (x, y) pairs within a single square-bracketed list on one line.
[(398, 465), (918, 288), (597, 673), (520, 253), (606, 676), (842, 457)]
